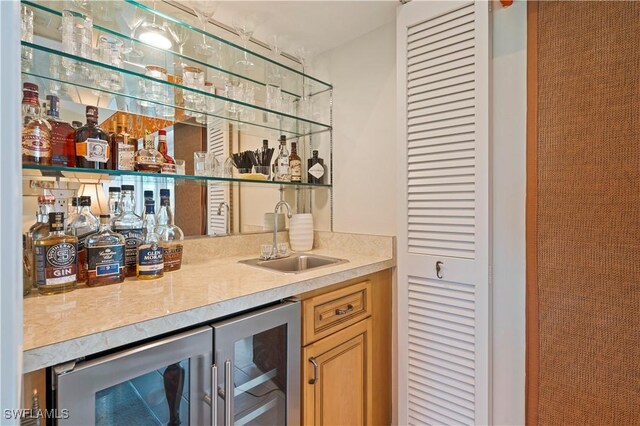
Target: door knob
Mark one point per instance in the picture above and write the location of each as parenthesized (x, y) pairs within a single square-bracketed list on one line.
[(439, 269)]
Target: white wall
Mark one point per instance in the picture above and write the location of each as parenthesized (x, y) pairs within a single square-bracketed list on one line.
[(508, 211), (363, 73)]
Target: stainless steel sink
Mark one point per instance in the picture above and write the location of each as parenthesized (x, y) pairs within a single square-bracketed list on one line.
[(296, 263)]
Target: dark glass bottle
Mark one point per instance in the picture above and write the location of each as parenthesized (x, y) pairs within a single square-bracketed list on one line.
[(62, 136), (105, 255), (315, 169), (92, 143)]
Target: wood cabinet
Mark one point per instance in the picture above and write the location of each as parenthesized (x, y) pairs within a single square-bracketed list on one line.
[(346, 357)]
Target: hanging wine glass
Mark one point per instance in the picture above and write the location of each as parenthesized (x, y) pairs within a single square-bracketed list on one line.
[(132, 21), (245, 25), (204, 10), (275, 43)]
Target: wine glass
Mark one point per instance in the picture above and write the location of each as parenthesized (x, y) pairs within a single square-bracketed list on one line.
[(245, 25), (132, 21), (180, 34), (204, 10)]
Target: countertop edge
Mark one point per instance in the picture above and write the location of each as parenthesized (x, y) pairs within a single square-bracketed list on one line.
[(57, 353)]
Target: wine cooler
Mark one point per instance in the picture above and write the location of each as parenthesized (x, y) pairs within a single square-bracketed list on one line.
[(242, 371)]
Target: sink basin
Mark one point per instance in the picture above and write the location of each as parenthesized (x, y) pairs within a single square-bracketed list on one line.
[(296, 263)]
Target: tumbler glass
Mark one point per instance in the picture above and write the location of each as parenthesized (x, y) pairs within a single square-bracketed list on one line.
[(110, 53), (200, 163), (26, 34), (77, 39)]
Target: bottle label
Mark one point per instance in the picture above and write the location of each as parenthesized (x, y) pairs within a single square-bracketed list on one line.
[(172, 256), (36, 144), (105, 260), (82, 257), (125, 157), (133, 239), (317, 171), (150, 260), (61, 144), (56, 264), (283, 166), (296, 171), (93, 150)]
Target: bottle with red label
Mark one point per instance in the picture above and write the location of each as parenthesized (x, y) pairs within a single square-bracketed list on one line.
[(36, 133), (63, 147), (169, 165), (56, 258)]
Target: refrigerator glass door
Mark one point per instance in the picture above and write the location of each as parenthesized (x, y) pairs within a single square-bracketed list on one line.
[(258, 360), (162, 383)]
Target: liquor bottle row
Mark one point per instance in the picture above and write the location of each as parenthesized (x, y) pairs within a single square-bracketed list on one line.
[(46, 140), (63, 250)]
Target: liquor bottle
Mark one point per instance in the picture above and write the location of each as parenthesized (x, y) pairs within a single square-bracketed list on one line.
[(83, 225), (147, 196), (150, 254), (63, 144), (129, 224), (112, 162), (295, 164), (282, 162), (92, 143), (56, 258), (169, 165), (315, 169), (36, 133), (148, 159), (105, 255), (125, 147), (171, 236), (73, 208), (114, 201), (37, 231)]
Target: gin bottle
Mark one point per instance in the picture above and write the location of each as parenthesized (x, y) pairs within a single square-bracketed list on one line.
[(56, 258)]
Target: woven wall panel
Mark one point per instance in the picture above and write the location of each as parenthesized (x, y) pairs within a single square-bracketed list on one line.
[(589, 213)]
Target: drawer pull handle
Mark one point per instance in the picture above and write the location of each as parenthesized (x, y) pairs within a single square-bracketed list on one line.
[(313, 381), (345, 311)]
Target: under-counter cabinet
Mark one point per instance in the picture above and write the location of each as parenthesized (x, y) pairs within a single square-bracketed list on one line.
[(346, 357)]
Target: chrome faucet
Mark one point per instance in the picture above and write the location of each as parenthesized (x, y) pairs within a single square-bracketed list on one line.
[(226, 218), (274, 249)]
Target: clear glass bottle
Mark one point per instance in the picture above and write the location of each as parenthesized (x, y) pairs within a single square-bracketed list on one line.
[(147, 196), (63, 147), (105, 255), (282, 162), (129, 224), (83, 225), (36, 133), (37, 231), (149, 159), (295, 164), (73, 208), (171, 236), (150, 253), (92, 143), (56, 258), (114, 201)]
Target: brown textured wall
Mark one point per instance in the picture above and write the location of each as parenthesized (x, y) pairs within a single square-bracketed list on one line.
[(588, 213)]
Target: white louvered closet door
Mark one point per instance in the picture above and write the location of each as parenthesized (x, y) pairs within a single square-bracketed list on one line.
[(443, 313), (216, 192)]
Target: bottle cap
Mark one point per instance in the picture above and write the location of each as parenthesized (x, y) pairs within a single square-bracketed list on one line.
[(148, 195), (56, 221), (85, 201), (30, 87), (315, 152), (162, 132), (127, 187), (114, 189), (92, 112), (54, 107), (165, 193), (105, 216)]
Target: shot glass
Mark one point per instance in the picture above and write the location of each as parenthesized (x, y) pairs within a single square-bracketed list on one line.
[(266, 251), (180, 167), (200, 163), (283, 249)]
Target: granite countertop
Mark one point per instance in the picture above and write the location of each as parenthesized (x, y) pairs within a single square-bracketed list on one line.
[(209, 285)]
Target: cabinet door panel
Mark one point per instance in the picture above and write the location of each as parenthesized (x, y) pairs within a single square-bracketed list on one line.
[(342, 391)]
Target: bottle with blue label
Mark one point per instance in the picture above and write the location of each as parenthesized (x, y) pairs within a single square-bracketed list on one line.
[(129, 225), (150, 253), (105, 255)]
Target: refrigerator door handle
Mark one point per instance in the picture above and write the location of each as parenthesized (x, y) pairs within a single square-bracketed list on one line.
[(228, 391), (211, 399)]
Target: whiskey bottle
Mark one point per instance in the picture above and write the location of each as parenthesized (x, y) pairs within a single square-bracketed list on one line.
[(63, 147), (114, 201), (129, 224), (147, 196), (148, 159), (36, 133), (295, 164), (83, 225), (169, 165), (56, 258), (282, 162), (92, 143), (125, 147), (171, 236), (150, 254), (105, 255), (315, 169), (37, 231), (73, 209)]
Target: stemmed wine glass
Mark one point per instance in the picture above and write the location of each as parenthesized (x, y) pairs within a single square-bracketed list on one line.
[(133, 21), (204, 10), (245, 25)]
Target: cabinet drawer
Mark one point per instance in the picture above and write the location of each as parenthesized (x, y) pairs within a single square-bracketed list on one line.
[(327, 313)]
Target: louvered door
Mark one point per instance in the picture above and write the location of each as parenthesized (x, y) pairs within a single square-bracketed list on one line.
[(216, 192), (443, 246)]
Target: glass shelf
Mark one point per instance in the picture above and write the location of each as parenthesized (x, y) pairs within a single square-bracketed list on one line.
[(116, 18), (155, 97), (76, 174)]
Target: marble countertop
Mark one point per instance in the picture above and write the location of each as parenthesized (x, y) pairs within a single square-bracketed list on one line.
[(86, 321)]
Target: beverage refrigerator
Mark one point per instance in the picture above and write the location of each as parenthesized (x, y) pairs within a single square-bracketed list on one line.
[(253, 362)]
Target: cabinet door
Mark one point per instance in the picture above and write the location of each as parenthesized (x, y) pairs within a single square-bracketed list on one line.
[(337, 378)]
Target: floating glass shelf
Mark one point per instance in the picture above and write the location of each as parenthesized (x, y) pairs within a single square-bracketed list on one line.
[(76, 174)]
